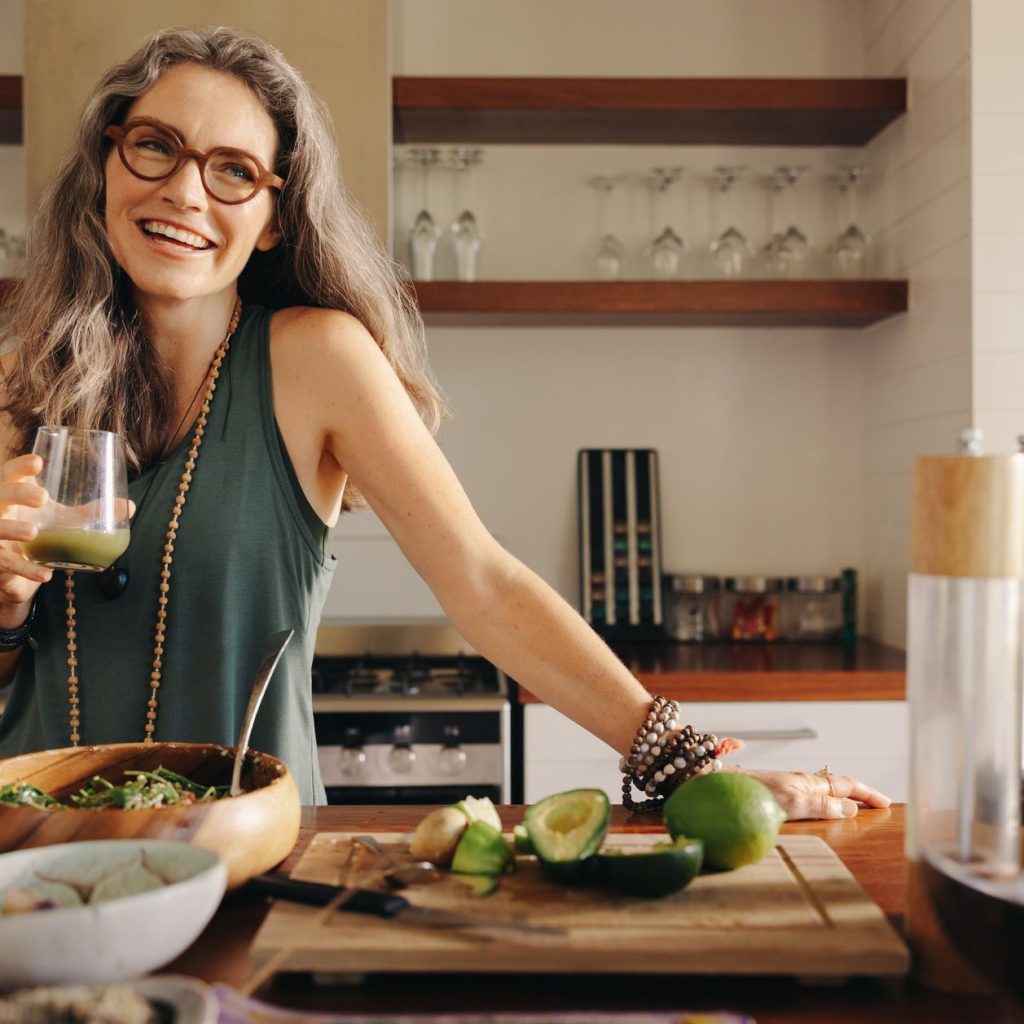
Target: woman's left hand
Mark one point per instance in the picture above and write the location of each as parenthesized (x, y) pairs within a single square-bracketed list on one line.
[(803, 795)]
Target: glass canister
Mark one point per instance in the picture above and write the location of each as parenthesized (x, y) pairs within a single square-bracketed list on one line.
[(813, 610), (965, 677), (691, 607), (750, 608)]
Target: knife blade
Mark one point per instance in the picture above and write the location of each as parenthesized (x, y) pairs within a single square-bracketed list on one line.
[(392, 907)]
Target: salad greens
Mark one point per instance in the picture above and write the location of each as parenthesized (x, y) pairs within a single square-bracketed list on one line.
[(141, 789)]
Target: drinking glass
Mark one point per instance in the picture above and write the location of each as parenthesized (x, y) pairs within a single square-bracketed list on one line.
[(466, 235), (730, 250), (424, 234), (610, 252), (849, 250), (84, 523), (666, 250), (786, 253)]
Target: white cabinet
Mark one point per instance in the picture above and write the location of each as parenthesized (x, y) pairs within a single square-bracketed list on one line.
[(867, 739)]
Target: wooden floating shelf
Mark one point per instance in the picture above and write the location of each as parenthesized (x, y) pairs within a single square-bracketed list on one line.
[(660, 303), (10, 110), (867, 670), (648, 111)]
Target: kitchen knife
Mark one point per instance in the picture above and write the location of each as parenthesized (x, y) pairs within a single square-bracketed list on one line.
[(390, 906)]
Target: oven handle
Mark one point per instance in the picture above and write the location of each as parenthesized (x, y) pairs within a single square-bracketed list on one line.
[(802, 733)]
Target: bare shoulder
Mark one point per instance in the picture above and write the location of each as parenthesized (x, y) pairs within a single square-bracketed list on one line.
[(327, 333)]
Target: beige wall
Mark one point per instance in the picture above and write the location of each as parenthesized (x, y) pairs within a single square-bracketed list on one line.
[(997, 211), (341, 48)]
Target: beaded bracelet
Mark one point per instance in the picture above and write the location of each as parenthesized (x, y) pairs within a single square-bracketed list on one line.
[(664, 755), (12, 639)]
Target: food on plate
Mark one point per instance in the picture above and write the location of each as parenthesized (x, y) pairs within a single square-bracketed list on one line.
[(140, 789), (88, 881), (735, 816), (652, 871), (482, 850), (109, 1004)]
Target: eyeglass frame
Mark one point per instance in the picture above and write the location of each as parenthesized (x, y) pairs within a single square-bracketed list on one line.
[(266, 179)]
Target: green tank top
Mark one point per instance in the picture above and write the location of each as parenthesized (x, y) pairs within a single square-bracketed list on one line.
[(250, 560)]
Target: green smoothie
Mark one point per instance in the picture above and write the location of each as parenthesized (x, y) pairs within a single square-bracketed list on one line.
[(88, 550)]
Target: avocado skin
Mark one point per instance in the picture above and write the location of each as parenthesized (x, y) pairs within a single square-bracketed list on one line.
[(571, 872), (664, 869), (482, 850)]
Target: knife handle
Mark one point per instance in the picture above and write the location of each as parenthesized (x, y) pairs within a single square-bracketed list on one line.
[(359, 901)]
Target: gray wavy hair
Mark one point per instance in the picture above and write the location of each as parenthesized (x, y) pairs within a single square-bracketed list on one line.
[(78, 351)]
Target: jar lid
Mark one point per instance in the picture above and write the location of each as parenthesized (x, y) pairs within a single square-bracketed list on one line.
[(753, 584), (692, 583), (813, 584)]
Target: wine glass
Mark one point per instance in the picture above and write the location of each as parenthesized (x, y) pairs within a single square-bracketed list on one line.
[(666, 251), (849, 250), (424, 234), (610, 252), (730, 250), (466, 235), (84, 524), (787, 251)]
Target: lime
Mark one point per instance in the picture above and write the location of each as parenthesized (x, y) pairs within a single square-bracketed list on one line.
[(735, 815)]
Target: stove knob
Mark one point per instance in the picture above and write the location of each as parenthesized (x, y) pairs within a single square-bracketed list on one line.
[(353, 761), (452, 758)]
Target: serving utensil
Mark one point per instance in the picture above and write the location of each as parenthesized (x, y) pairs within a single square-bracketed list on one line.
[(278, 642)]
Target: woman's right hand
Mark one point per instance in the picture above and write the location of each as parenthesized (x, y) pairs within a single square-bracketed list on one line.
[(20, 577)]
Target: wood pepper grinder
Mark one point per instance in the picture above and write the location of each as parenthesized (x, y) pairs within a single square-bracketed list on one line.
[(964, 685)]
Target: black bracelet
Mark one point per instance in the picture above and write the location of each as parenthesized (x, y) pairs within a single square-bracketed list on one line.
[(12, 639)]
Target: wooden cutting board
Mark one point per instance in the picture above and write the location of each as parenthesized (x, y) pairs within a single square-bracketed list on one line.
[(797, 912)]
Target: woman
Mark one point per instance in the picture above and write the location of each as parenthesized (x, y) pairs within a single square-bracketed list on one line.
[(200, 283)]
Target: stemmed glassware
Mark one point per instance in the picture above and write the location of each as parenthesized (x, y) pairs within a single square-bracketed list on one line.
[(849, 250), (787, 251), (666, 250), (84, 523), (424, 234), (731, 253), (466, 235), (610, 252)]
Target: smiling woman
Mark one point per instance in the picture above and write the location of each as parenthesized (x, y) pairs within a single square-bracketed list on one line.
[(200, 282)]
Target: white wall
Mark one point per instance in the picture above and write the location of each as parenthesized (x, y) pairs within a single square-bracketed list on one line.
[(919, 366), (760, 432), (997, 209)]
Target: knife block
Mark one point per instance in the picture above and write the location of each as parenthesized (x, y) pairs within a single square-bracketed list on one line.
[(620, 544)]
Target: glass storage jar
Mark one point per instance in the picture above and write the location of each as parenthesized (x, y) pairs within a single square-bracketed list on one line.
[(691, 607), (749, 609), (813, 611)]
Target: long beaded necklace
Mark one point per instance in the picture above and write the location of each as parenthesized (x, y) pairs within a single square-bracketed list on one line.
[(167, 559)]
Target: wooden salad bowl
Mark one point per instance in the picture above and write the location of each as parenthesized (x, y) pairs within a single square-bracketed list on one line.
[(252, 832)]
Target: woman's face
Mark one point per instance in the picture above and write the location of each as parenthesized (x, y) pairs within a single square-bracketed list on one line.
[(208, 109)]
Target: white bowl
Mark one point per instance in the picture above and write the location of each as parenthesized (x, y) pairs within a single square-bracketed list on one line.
[(129, 930)]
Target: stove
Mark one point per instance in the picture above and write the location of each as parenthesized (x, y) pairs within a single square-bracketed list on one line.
[(408, 714)]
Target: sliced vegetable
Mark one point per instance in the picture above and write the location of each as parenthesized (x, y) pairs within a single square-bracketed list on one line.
[(521, 840), (478, 885), (480, 809), (438, 834), (658, 871), (482, 850), (568, 826)]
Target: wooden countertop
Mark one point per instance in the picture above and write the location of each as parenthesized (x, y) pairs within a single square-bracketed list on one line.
[(867, 670), (871, 845)]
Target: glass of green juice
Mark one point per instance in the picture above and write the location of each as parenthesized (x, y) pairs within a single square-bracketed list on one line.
[(84, 523)]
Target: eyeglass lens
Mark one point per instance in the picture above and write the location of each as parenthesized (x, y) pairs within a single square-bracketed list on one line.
[(152, 153)]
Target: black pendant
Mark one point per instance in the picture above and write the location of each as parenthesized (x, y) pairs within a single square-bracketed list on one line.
[(112, 582)]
